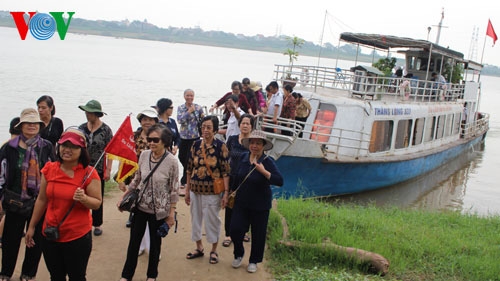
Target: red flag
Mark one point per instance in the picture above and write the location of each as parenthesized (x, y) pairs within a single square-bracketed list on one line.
[(491, 32), (122, 148)]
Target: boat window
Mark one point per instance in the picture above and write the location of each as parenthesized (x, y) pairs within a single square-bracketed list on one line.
[(449, 125), (403, 133), (324, 122), (418, 131), (381, 136), (430, 127), (440, 126), (456, 124), (411, 62)]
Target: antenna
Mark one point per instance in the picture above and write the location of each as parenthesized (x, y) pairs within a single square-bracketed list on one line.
[(473, 44)]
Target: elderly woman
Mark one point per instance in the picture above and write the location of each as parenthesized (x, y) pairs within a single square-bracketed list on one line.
[(53, 126), (209, 161), (69, 189), (99, 135), (21, 160), (256, 173), (156, 180), (236, 149)]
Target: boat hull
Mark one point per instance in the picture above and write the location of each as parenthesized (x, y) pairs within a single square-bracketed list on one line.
[(312, 177)]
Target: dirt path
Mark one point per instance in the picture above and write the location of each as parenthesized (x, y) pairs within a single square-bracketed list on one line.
[(110, 249)]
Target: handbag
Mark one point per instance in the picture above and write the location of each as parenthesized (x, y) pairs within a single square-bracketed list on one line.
[(130, 199), (232, 196), (218, 183), (12, 202)]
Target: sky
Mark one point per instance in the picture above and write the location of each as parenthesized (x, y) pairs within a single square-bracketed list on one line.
[(304, 19)]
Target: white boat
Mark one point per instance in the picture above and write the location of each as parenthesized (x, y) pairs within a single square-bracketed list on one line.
[(368, 131)]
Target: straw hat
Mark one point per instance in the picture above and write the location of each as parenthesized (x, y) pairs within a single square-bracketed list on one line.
[(151, 113), (257, 134), (30, 115), (74, 136), (92, 106), (255, 86)]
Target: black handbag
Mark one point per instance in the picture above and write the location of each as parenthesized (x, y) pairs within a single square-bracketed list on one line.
[(131, 199), (12, 202)]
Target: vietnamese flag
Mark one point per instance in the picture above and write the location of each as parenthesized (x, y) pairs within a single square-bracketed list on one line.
[(491, 32), (122, 148)]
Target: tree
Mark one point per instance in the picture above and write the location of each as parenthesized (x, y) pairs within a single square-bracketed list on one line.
[(292, 53)]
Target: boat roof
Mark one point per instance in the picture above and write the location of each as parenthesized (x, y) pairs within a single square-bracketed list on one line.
[(386, 42)]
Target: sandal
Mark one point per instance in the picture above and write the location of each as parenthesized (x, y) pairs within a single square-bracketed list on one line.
[(214, 258), (196, 254), (227, 242), (246, 238)]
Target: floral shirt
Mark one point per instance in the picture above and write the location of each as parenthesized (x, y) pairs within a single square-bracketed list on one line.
[(288, 110), (189, 121), (217, 159)]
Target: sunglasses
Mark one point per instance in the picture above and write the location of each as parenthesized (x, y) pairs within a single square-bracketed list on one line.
[(154, 140)]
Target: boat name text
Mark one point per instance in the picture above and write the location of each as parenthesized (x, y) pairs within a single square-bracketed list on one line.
[(392, 111)]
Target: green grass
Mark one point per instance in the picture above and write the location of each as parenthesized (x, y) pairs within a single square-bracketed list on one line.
[(420, 245)]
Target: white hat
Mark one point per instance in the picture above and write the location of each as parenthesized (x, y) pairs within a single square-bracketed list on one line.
[(151, 113)]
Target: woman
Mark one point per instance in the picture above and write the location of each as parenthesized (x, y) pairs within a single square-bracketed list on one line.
[(157, 199), (253, 198), (236, 149), (189, 117), (302, 109), (53, 126), (21, 160), (99, 135), (236, 89), (146, 118), (165, 109), (288, 109), (68, 190), (209, 157)]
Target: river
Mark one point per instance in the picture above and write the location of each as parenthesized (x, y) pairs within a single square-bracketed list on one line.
[(128, 75)]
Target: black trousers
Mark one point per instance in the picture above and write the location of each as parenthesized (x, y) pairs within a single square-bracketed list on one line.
[(67, 258), (97, 215), (184, 150), (241, 220), (137, 230), (12, 235)]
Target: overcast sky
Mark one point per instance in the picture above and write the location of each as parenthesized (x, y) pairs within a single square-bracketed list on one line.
[(302, 18)]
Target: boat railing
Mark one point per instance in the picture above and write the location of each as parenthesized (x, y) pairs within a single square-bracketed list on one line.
[(476, 128), (367, 86), (335, 142)]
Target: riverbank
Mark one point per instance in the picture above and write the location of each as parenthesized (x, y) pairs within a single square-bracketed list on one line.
[(110, 250)]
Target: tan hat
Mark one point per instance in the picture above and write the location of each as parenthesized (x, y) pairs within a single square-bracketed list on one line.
[(255, 86), (30, 115), (257, 134)]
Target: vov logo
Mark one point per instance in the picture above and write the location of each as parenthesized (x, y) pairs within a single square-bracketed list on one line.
[(41, 26)]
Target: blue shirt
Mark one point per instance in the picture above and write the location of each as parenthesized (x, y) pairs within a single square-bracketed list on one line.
[(172, 125), (189, 121)]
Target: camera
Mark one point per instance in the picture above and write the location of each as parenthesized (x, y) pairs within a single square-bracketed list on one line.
[(51, 233), (163, 230)]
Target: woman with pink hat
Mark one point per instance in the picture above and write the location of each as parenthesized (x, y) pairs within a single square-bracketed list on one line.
[(69, 189), (21, 160)]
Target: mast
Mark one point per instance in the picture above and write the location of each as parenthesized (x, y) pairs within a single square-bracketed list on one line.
[(440, 25), (321, 40)]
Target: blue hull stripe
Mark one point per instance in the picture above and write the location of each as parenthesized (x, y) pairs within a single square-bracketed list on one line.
[(309, 177)]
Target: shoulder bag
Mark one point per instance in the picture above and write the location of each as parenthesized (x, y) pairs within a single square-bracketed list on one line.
[(12, 202), (130, 199), (218, 183), (232, 196)]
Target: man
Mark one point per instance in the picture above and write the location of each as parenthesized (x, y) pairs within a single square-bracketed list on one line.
[(275, 104)]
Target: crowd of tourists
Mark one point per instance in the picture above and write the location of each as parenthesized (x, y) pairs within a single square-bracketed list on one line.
[(52, 180)]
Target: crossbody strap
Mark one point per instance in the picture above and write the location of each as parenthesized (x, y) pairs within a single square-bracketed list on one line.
[(246, 177), (146, 179)]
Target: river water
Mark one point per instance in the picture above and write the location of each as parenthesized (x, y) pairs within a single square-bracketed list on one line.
[(127, 76)]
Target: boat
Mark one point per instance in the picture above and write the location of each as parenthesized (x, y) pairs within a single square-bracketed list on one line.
[(367, 130)]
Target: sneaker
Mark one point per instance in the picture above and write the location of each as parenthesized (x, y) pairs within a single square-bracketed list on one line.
[(252, 267), (237, 262), (98, 231)]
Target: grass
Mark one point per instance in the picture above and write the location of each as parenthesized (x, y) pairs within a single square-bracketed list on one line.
[(420, 245)]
